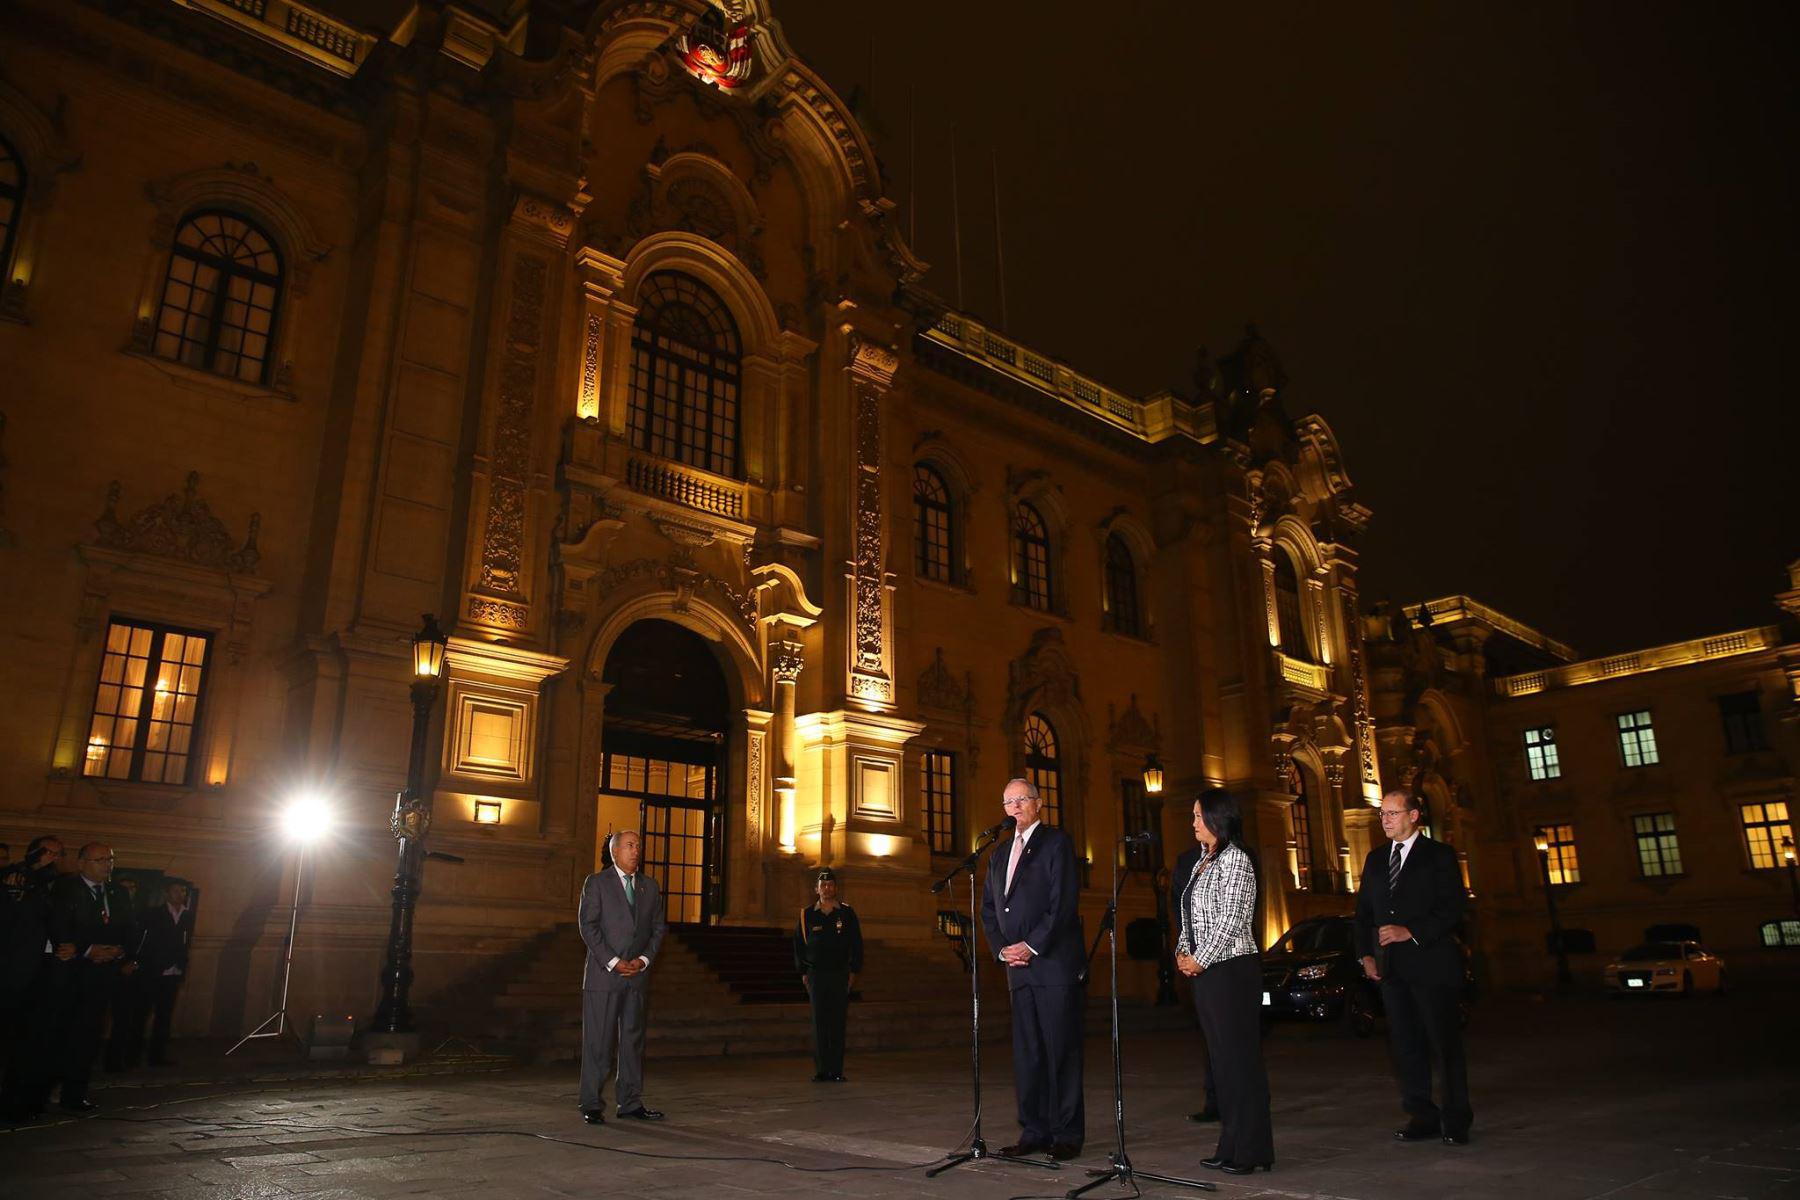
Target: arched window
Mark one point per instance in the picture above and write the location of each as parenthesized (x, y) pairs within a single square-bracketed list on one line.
[(12, 199), (933, 525), (1287, 608), (1042, 766), (685, 365), (1031, 558), (220, 298), (1121, 597), (1303, 847)]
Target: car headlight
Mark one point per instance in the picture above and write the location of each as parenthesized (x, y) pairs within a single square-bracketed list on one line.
[(1316, 971)]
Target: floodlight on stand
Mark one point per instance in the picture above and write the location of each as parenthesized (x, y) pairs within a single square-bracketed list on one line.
[(1153, 775), (307, 818), (428, 650)]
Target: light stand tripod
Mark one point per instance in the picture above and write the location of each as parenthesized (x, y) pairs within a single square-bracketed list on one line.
[(278, 1018), (977, 1150), (1121, 1169)]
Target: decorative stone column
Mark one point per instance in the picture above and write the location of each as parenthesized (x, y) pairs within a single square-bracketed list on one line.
[(870, 643), (785, 665)]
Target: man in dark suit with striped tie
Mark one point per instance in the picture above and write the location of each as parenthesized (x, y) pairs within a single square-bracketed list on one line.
[(1407, 910), (1029, 912)]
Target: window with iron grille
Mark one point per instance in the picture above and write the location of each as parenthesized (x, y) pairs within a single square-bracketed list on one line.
[(12, 200), (1657, 850), (685, 366), (1121, 588), (1139, 814), (1031, 553), (1565, 866), (937, 781), (1637, 739), (1303, 849), (1287, 608), (1541, 757), (147, 704), (1741, 713), (933, 530), (220, 297), (1765, 824), (1043, 767), (1784, 933)]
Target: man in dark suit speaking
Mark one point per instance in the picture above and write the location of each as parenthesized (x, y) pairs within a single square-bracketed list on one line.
[(622, 923), (1029, 913), (1407, 911)]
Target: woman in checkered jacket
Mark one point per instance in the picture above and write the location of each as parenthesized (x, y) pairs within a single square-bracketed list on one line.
[(1218, 951)]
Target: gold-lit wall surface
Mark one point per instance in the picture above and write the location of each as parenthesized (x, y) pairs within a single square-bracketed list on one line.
[(1468, 699), (467, 219)]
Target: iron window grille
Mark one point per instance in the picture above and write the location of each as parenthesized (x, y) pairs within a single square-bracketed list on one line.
[(686, 363)]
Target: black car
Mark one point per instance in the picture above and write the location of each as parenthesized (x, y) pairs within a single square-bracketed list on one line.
[(1312, 973)]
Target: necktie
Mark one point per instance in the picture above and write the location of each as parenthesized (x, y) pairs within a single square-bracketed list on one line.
[(105, 909), (1394, 866), (631, 890), (1012, 863)]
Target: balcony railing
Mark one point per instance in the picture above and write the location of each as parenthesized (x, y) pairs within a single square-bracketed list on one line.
[(297, 28), (1301, 673), (698, 490), (1657, 658)]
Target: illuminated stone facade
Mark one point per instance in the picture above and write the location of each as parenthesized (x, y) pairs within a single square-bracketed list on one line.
[(477, 272), (1664, 777)]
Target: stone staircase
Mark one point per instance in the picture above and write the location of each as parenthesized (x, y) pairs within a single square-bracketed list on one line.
[(725, 990)]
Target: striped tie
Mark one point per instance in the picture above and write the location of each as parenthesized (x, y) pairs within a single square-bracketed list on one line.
[(1394, 868)]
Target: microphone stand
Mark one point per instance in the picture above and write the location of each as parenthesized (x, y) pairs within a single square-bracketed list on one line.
[(1121, 1169), (977, 1151)]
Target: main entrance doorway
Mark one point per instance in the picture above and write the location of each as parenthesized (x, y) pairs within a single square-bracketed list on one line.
[(663, 763)]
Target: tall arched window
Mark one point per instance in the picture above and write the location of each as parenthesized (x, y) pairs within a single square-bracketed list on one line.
[(1287, 608), (1031, 558), (1042, 765), (220, 298), (934, 534), (685, 365), (1122, 614), (12, 199), (1303, 845)]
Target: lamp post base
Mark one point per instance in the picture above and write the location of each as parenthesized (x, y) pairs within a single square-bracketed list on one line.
[(390, 1049)]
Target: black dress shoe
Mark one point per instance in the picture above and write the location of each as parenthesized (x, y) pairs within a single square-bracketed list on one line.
[(1457, 1139), (1064, 1151), (1022, 1149), (593, 1116), (1204, 1115), (1232, 1168), (1416, 1131), (80, 1106), (839, 1079), (1214, 1163), (640, 1113)]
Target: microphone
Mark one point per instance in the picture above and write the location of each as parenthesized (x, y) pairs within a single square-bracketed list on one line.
[(1006, 826), (1133, 839)]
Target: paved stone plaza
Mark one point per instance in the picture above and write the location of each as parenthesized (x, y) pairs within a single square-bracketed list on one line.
[(1575, 1098)]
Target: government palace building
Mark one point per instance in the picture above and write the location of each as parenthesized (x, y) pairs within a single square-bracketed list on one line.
[(588, 329)]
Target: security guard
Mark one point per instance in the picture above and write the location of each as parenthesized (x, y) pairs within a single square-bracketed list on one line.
[(828, 953)]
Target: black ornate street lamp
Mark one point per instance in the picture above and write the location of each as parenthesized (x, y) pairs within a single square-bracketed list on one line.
[(1787, 853), (410, 823), (1563, 980), (1153, 777)]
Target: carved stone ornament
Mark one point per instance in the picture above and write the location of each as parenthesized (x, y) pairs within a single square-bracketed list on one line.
[(938, 688), (411, 818), (503, 542), (179, 527), (1130, 730), (789, 660), (1359, 693)]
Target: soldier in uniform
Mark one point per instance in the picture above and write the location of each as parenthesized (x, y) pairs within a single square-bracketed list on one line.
[(828, 953)]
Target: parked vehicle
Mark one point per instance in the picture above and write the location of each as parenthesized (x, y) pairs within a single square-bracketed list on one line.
[(1313, 973), (1678, 967)]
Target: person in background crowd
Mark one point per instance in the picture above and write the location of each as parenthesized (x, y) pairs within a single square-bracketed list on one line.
[(149, 993), (828, 953), (25, 1017), (92, 929)]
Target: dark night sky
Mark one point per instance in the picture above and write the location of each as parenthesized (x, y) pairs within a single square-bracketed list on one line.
[(1534, 265)]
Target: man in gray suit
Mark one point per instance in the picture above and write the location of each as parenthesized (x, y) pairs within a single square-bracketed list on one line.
[(622, 923)]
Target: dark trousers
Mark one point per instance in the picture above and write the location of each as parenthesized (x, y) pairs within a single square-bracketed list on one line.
[(164, 991), (830, 993), (138, 998), (1425, 1029), (612, 1021), (1228, 997), (91, 996), (1047, 1028)]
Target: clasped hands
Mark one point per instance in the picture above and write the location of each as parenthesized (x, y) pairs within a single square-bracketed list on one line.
[(627, 969), (1188, 965), (1017, 955)]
